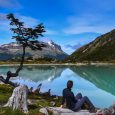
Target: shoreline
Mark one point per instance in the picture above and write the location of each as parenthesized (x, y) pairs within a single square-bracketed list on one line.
[(62, 64)]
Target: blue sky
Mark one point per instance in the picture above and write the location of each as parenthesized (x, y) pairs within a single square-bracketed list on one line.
[(69, 23)]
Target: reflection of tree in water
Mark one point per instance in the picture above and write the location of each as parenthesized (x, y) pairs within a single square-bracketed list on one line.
[(102, 77), (40, 73)]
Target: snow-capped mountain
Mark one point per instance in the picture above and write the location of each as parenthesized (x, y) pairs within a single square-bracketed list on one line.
[(53, 45), (14, 50)]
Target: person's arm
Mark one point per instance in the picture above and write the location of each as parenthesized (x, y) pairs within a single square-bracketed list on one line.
[(73, 97), (63, 100)]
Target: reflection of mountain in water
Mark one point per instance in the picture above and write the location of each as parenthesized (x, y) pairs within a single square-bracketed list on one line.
[(40, 73), (102, 77)]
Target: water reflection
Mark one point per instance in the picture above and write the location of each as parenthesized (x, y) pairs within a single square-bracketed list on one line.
[(41, 73), (102, 77), (98, 83)]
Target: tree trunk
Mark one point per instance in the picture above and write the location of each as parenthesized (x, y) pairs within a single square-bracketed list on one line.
[(22, 61), (10, 74), (18, 100)]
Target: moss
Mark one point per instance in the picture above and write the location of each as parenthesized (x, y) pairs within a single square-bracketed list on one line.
[(5, 88), (5, 93), (34, 96), (39, 102), (35, 112), (9, 111)]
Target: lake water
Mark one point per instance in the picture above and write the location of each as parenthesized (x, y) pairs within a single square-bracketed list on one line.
[(97, 82)]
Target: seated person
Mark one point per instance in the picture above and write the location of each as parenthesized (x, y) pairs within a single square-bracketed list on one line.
[(75, 103)]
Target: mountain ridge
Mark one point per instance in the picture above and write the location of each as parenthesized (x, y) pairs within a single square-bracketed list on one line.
[(101, 49), (13, 50)]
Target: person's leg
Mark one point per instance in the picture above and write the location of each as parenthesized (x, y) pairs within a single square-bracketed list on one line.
[(83, 100), (89, 102), (79, 104), (78, 96)]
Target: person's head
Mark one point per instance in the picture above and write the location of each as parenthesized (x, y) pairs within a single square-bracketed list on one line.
[(69, 84)]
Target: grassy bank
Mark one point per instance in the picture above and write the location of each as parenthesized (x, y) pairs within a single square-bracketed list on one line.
[(37, 100), (16, 63)]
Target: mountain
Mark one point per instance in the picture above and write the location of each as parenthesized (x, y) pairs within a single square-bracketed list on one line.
[(101, 49), (14, 51)]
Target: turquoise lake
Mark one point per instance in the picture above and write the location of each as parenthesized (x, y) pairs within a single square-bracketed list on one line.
[(96, 82)]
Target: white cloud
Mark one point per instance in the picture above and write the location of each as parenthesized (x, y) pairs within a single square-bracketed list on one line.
[(70, 48), (67, 50), (28, 21), (4, 25), (82, 29), (2, 17), (73, 47), (88, 23), (10, 4), (50, 32)]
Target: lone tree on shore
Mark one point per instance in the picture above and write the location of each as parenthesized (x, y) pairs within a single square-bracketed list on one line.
[(26, 37)]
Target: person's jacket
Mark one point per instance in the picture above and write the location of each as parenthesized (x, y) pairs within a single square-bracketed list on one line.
[(68, 98)]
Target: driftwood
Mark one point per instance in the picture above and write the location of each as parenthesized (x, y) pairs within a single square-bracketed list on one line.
[(9, 75), (18, 100), (9, 82), (47, 94), (37, 90)]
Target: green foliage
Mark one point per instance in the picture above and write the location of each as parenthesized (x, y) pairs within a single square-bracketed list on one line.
[(24, 35)]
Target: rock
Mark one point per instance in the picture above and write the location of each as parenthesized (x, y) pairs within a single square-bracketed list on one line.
[(107, 111), (52, 103), (64, 111), (104, 112), (32, 101), (58, 110), (112, 108), (18, 100), (44, 111)]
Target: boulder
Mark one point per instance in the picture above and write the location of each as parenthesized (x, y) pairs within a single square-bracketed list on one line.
[(44, 111)]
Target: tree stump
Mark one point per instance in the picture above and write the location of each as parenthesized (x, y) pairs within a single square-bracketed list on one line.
[(18, 100)]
